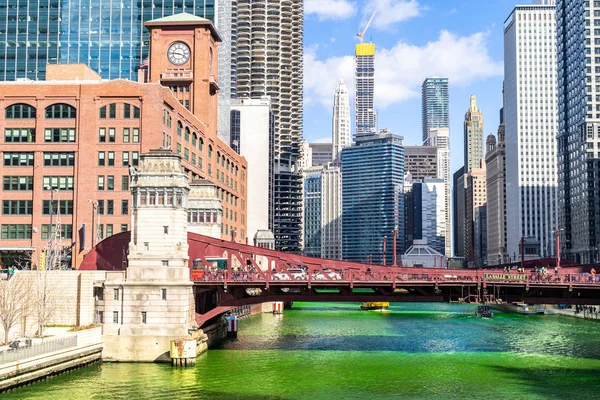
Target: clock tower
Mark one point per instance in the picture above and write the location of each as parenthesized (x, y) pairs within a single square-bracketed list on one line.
[(183, 57)]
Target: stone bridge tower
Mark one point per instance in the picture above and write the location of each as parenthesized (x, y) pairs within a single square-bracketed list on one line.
[(156, 292)]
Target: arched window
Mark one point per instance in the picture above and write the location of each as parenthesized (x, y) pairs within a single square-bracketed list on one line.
[(228, 166), (222, 161), (194, 139), (109, 111), (187, 134), (18, 111), (209, 151), (60, 111), (179, 128), (127, 111), (201, 144)]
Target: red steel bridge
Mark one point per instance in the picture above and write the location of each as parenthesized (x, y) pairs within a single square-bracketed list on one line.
[(228, 274)]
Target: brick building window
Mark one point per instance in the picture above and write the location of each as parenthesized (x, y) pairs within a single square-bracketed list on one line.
[(111, 158), (123, 227), (110, 207), (201, 144), (124, 207), (102, 135), (179, 129), (110, 182), (187, 134), (178, 148), (135, 156), (102, 112), (19, 135), (66, 231), (100, 208), (59, 159), (135, 137), (109, 230), (19, 111), (112, 133), (125, 158), (100, 183), (60, 111), (17, 207), (126, 135), (58, 182), (15, 231), (59, 135), (101, 158), (17, 183), (125, 183), (64, 207), (127, 108)]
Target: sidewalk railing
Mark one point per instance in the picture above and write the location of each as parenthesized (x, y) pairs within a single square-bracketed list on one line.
[(37, 349)]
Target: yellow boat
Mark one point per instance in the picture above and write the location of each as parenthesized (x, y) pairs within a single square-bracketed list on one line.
[(375, 305)]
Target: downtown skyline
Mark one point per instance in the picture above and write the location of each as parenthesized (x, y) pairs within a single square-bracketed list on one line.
[(330, 37)]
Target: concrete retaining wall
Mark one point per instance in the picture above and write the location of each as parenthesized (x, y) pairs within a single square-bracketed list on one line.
[(21, 372)]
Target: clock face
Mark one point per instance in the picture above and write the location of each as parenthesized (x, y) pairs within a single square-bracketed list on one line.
[(179, 53)]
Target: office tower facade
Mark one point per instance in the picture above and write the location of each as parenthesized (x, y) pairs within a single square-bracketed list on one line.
[(320, 154), (252, 130), (473, 135), (269, 56), (312, 218), (480, 235), (476, 196), (460, 210), (364, 89), (495, 160), (372, 197), (331, 212), (578, 129), (435, 105), (341, 132), (531, 124), (421, 162), (429, 212), (108, 36), (440, 138)]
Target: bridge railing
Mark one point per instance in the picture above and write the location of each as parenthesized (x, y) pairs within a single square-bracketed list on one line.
[(406, 275)]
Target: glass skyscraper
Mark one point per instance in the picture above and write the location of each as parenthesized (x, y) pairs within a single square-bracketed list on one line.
[(107, 35), (435, 98), (372, 197)]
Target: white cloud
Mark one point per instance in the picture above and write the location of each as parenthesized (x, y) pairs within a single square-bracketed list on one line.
[(399, 71), (390, 12), (322, 76), (330, 9)]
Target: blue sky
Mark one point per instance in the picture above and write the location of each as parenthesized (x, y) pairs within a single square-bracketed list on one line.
[(458, 39)]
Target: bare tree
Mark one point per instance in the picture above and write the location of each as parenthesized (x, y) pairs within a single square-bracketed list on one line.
[(13, 303), (43, 299)]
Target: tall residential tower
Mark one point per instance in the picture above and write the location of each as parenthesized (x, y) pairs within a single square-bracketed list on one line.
[(578, 151), (364, 86), (435, 102), (269, 51)]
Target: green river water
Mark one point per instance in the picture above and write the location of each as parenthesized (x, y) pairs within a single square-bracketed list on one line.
[(336, 351)]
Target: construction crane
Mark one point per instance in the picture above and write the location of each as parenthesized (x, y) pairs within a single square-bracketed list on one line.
[(361, 34)]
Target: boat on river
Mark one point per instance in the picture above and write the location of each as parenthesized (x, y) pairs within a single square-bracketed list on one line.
[(484, 311), (375, 305), (520, 308)]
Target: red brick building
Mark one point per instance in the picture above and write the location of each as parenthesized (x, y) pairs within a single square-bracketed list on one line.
[(77, 134)]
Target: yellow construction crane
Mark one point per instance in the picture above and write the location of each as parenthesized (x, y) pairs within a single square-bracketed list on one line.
[(361, 34)]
